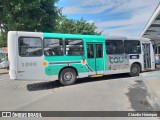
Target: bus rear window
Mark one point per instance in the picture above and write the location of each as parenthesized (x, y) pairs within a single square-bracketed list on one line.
[(132, 47), (30, 46)]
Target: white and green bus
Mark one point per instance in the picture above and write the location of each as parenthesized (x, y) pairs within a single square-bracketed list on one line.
[(66, 57)]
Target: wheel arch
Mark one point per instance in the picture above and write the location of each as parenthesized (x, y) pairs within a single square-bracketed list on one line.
[(67, 67), (138, 63)]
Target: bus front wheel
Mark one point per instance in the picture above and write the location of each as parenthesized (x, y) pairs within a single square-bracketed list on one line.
[(68, 76), (135, 70)]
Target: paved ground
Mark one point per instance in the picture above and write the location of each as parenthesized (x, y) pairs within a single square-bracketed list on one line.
[(109, 93), (152, 83), (88, 94)]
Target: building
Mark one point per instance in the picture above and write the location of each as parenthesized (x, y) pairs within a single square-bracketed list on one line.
[(152, 29)]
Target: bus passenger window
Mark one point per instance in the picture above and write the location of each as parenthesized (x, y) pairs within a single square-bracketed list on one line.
[(30, 46), (132, 47), (114, 47), (90, 51), (53, 47), (74, 47), (99, 51)]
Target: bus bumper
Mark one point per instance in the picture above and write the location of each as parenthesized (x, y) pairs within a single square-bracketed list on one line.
[(12, 74)]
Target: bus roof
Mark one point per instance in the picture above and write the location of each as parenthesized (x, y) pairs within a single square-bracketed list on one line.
[(61, 35), (115, 38), (126, 38), (72, 35), (138, 38)]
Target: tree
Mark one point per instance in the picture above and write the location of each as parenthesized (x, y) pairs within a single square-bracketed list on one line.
[(72, 26), (27, 15), (2, 42)]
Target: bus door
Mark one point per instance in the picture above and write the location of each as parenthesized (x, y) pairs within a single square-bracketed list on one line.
[(146, 55), (95, 60), (157, 54)]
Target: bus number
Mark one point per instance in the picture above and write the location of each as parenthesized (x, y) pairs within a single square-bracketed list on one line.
[(29, 64)]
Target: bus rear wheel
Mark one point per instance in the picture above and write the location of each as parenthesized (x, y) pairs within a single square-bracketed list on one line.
[(135, 70), (68, 76)]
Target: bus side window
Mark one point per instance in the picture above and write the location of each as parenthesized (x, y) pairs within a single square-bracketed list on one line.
[(114, 47), (74, 47), (132, 47), (99, 51), (30, 46), (53, 47)]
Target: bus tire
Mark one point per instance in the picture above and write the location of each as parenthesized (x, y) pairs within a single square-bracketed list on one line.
[(135, 70), (68, 76)]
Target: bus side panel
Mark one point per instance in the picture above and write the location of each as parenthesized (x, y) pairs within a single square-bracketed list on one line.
[(139, 60), (118, 64), (57, 63), (31, 67)]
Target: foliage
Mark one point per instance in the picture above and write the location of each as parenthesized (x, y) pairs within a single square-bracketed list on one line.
[(72, 26), (2, 42), (38, 15), (27, 15)]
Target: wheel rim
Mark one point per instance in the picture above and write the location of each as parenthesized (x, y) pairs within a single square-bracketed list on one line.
[(68, 76), (134, 69)]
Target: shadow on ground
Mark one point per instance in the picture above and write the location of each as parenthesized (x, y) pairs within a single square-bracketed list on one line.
[(138, 95), (43, 86), (56, 84)]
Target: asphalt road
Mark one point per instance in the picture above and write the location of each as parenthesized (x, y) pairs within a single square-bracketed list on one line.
[(109, 93)]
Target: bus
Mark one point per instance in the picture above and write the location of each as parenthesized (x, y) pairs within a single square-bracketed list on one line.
[(157, 54), (3, 59), (66, 57)]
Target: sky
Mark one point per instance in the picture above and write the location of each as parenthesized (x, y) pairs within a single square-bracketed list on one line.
[(112, 17)]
